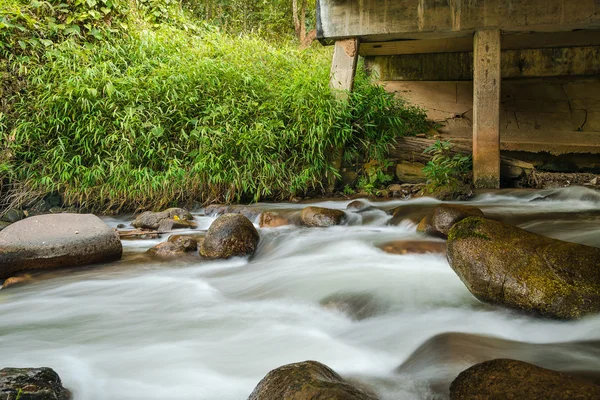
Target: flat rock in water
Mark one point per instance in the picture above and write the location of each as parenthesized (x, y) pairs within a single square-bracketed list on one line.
[(172, 218), (55, 241), (304, 381), (321, 217), (31, 384), (276, 219), (506, 265), (402, 247), (509, 379)]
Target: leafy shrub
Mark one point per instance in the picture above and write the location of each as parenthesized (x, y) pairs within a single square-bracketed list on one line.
[(444, 169), (167, 115)]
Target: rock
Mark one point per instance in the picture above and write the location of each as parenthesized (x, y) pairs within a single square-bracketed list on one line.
[(54, 200), (4, 224), (442, 219), (15, 280), (411, 212), (55, 210), (138, 234), (502, 379), (505, 265), (409, 172), (31, 384), (322, 217), (177, 245), (357, 306), (121, 226), (57, 240), (13, 215), (172, 218), (306, 380), (454, 191), (402, 247), (441, 358), (358, 206), (594, 181), (220, 209), (230, 235), (273, 219)]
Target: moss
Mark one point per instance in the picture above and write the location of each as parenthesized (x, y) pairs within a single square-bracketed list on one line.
[(466, 229)]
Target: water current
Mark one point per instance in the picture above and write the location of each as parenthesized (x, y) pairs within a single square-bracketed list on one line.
[(188, 329)]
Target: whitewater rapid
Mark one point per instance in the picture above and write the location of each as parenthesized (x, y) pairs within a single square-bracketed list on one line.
[(190, 329)]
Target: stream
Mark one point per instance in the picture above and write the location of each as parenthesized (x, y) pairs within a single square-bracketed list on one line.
[(188, 329)]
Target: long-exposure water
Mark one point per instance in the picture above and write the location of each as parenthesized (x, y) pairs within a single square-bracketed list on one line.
[(186, 328)]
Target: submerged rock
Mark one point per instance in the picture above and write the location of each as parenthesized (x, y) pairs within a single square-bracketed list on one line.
[(57, 240), (411, 212), (172, 218), (402, 247), (219, 209), (304, 381), (15, 281), (442, 219), (230, 235), (357, 306), (505, 265), (509, 379), (31, 384), (358, 206), (321, 217)]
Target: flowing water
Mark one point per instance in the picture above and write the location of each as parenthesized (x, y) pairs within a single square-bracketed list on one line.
[(191, 329)]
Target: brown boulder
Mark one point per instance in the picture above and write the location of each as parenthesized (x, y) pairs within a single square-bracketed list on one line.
[(177, 245), (31, 384), (55, 241), (502, 379), (506, 265), (230, 235), (322, 217), (411, 212), (273, 219), (358, 206), (305, 381), (172, 218), (402, 247), (442, 219)]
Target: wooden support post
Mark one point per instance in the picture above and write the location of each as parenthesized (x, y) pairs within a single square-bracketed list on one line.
[(486, 109), (343, 67)]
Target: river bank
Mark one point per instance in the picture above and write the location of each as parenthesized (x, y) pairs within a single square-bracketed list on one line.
[(184, 327)]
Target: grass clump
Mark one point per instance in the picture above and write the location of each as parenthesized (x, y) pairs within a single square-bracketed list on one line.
[(168, 115)]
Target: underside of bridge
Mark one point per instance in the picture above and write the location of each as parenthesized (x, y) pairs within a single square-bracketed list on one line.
[(508, 75)]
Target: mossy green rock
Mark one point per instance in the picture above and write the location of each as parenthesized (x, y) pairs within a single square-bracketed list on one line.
[(509, 379), (31, 384), (305, 381), (230, 235), (505, 265)]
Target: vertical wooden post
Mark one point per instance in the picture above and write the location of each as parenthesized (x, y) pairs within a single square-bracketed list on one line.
[(486, 109), (341, 82), (343, 67)]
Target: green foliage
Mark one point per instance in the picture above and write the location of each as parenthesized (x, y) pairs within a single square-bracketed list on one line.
[(169, 115), (444, 169)]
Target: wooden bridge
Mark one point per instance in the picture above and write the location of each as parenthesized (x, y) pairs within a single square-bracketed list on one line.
[(519, 75)]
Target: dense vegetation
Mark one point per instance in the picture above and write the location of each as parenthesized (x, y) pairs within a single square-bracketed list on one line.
[(128, 105)]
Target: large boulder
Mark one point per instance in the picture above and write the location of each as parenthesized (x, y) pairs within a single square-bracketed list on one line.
[(322, 217), (58, 240), (505, 265), (358, 305), (172, 218), (304, 381), (230, 235), (31, 384), (443, 217), (502, 379)]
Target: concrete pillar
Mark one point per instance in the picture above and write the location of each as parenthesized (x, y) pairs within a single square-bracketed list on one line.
[(343, 67), (486, 109)]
